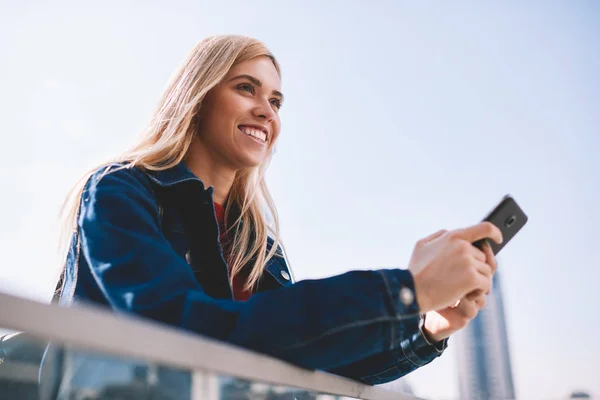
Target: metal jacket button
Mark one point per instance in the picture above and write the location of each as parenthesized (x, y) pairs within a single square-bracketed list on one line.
[(285, 275), (406, 296), (188, 257)]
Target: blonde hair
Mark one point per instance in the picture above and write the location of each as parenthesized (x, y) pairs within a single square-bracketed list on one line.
[(166, 140)]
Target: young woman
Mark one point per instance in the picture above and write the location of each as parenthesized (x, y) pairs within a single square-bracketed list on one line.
[(175, 230)]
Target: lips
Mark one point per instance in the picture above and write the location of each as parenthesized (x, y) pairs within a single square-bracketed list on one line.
[(258, 133)]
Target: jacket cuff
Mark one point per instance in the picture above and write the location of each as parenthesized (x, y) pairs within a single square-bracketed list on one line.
[(439, 346), (419, 349), (400, 286)]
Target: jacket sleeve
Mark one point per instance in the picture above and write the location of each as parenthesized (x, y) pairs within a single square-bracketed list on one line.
[(319, 324), (409, 354)]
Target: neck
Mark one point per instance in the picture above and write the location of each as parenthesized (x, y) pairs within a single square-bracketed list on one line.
[(210, 171)]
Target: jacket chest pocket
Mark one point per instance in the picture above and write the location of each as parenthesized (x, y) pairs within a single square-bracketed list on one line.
[(173, 229)]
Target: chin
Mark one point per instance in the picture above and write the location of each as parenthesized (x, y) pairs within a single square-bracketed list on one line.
[(251, 160)]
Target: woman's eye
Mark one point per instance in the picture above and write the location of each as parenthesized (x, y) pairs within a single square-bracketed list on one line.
[(276, 103), (246, 87)]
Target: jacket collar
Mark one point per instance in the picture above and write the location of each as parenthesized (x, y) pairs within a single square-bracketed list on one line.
[(181, 173), (173, 176)]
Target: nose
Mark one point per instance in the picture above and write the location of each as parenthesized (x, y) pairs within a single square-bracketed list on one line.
[(263, 110)]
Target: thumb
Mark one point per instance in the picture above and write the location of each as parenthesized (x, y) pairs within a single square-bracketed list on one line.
[(482, 230), (434, 236)]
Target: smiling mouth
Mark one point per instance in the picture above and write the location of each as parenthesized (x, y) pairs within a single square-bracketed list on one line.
[(254, 133)]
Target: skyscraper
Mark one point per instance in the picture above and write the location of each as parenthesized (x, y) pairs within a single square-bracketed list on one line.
[(483, 354)]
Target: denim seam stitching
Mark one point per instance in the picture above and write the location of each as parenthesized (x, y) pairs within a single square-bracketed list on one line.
[(379, 373), (429, 344), (409, 358), (344, 327), (389, 291), (167, 184), (393, 335)]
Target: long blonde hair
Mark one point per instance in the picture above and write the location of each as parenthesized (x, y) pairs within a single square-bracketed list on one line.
[(166, 140)]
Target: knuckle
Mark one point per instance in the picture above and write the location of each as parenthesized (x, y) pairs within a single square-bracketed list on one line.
[(494, 266), (472, 277), (453, 235), (472, 312), (489, 226), (482, 302), (469, 315), (489, 272), (463, 247), (480, 254), (472, 270)]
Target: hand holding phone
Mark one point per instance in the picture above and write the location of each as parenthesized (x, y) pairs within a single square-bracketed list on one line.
[(509, 218), (436, 261)]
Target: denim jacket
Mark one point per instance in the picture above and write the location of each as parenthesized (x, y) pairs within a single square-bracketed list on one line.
[(149, 245)]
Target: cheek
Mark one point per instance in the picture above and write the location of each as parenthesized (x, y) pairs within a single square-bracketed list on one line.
[(276, 128), (224, 105), (233, 106), (224, 116), (230, 107)]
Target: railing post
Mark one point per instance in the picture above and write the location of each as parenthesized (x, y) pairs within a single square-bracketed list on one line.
[(205, 386)]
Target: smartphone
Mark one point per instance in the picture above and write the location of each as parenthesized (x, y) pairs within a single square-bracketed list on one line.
[(509, 218)]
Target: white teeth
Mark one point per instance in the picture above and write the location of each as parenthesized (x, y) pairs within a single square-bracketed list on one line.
[(255, 133)]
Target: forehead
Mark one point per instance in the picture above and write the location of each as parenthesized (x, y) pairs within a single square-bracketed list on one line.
[(261, 68)]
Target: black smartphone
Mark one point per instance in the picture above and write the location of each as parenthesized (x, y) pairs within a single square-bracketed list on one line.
[(509, 218)]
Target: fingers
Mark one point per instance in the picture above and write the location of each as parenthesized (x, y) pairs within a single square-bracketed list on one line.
[(484, 263), (480, 231), (474, 294), (472, 304), (478, 297), (483, 268), (433, 236), (489, 256), (480, 301), (490, 260), (483, 278), (468, 308), (478, 254)]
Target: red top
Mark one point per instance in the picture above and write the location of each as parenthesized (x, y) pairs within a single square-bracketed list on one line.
[(240, 280)]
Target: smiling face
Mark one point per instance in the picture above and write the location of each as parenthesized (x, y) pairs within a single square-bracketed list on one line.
[(239, 118)]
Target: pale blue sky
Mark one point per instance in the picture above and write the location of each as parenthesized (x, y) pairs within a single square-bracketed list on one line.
[(400, 119)]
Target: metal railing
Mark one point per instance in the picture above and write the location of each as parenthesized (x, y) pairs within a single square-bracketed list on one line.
[(98, 330)]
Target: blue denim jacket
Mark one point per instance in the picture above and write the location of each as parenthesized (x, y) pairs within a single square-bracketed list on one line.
[(149, 245)]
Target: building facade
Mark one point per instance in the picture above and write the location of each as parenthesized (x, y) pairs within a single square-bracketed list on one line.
[(484, 366)]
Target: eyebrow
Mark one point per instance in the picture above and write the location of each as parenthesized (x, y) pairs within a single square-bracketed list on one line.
[(256, 82)]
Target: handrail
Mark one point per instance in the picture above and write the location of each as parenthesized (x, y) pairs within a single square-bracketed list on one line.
[(96, 329)]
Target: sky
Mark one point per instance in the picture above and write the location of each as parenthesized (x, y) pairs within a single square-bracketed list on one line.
[(401, 118)]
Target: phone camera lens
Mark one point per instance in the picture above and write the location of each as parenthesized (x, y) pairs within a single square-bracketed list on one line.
[(510, 221)]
